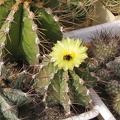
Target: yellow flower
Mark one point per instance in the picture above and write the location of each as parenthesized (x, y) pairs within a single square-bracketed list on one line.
[(68, 53)]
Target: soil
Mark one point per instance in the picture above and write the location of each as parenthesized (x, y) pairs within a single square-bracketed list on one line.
[(37, 111), (56, 112)]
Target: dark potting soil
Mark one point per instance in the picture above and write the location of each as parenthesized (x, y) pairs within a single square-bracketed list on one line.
[(37, 111)]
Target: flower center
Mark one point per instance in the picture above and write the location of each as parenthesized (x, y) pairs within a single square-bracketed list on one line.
[(67, 57)]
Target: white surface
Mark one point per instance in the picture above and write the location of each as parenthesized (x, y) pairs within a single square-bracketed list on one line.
[(86, 33), (87, 115), (103, 110)]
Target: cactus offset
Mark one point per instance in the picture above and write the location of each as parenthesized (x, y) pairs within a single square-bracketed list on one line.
[(92, 64), (113, 87), (103, 74), (115, 66)]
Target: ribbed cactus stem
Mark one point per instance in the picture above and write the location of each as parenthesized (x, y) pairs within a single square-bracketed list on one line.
[(8, 109), (25, 26), (17, 96)]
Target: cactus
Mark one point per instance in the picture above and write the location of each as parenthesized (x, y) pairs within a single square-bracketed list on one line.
[(92, 64), (112, 5), (115, 66), (74, 13), (103, 74), (8, 109), (113, 87), (58, 86), (89, 78), (12, 96), (57, 80), (105, 46), (26, 28), (116, 103)]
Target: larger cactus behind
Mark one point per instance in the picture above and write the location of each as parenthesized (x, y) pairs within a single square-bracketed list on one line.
[(23, 25), (112, 5), (74, 13)]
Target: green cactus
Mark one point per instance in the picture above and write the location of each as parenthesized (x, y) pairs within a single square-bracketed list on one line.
[(8, 109), (80, 94), (12, 96), (112, 5), (58, 86), (89, 78), (74, 13), (104, 74), (113, 87), (16, 96), (26, 29), (116, 103), (92, 64), (115, 66), (105, 46)]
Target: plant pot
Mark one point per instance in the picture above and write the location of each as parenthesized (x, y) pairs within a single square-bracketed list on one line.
[(86, 33), (99, 109)]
